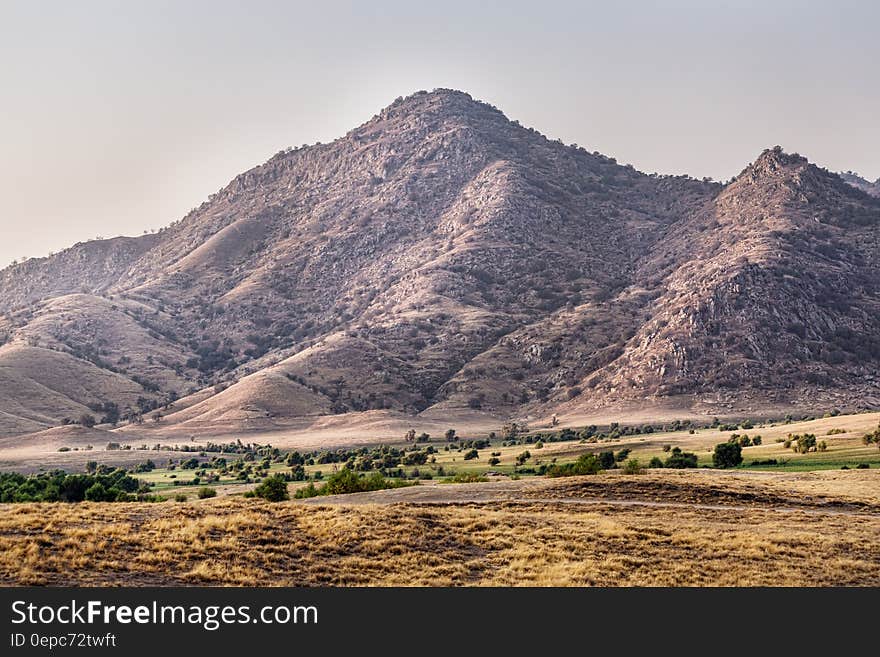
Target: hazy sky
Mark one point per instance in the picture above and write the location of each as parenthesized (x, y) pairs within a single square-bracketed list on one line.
[(117, 117)]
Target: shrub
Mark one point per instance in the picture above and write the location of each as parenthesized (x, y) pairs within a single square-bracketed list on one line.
[(655, 462), (494, 460), (606, 460), (180, 497), (585, 465), (467, 478), (206, 492), (273, 489), (306, 491), (803, 443), (633, 467), (727, 455), (97, 493), (471, 454), (681, 460)]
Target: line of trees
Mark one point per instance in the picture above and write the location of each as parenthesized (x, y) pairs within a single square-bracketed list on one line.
[(59, 486)]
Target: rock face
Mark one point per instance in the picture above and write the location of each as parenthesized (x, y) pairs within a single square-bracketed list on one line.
[(442, 258)]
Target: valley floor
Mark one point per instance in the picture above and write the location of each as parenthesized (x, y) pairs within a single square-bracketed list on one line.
[(675, 528)]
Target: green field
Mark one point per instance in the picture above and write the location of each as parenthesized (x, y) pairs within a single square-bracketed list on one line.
[(841, 435)]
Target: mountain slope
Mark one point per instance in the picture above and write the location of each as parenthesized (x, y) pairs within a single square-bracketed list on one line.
[(441, 260), (872, 188)]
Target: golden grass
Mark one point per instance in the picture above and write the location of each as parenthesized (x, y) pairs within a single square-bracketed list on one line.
[(246, 542)]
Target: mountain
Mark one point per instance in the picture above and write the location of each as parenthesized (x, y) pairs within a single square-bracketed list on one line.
[(872, 188), (440, 263)]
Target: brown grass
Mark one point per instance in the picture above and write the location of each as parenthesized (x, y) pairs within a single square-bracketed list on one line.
[(504, 543)]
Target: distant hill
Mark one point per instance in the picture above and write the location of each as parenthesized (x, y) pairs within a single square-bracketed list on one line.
[(441, 260), (873, 188)]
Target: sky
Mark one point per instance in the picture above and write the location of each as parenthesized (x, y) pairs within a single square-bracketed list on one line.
[(119, 117)]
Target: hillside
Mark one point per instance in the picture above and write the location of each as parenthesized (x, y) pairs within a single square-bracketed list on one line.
[(441, 261), (872, 188)]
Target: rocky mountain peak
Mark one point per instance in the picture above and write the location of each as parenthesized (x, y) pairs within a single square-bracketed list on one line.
[(441, 260)]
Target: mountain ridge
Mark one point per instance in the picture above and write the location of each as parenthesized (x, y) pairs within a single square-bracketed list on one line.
[(441, 259)]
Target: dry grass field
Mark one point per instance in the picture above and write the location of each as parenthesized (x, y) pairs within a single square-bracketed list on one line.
[(683, 528)]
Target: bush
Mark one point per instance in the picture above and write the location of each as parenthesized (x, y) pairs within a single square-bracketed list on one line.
[(471, 455), (97, 493), (205, 492), (585, 465), (802, 443), (467, 478), (306, 491), (655, 462), (606, 460), (633, 467), (727, 455), (680, 460), (348, 481), (273, 489), (180, 497)]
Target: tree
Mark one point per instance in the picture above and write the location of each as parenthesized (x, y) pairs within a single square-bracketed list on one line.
[(450, 435), (632, 467), (727, 455), (679, 459), (273, 489), (97, 493), (606, 460), (87, 420)]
